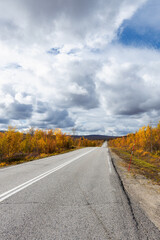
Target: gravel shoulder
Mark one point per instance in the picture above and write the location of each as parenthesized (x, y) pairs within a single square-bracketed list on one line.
[(143, 191)]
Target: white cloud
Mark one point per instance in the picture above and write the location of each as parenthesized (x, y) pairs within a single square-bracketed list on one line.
[(88, 81)]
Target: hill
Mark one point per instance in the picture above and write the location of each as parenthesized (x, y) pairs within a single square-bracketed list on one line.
[(94, 137)]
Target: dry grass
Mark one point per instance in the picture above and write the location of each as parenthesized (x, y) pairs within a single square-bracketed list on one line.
[(142, 163), (31, 157)]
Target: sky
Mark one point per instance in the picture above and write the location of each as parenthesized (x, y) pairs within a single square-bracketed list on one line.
[(92, 66)]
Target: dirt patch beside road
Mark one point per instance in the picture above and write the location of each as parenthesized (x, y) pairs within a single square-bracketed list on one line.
[(142, 190)]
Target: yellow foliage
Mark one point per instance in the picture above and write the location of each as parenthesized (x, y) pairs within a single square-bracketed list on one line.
[(146, 140), (15, 145), (57, 131)]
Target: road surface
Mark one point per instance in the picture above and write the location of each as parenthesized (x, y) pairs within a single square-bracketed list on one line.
[(76, 195)]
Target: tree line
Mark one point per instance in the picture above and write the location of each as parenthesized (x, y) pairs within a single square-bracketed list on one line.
[(16, 145), (145, 140)]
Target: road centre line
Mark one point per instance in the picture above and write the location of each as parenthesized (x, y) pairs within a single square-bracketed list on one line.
[(17, 189)]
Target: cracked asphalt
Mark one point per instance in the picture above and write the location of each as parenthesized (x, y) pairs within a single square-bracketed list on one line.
[(82, 200)]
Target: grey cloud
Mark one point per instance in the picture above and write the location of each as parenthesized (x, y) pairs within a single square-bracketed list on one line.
[(9, 30), (45, 15), (54, 119), (131, 110), (80, 90), (86, 101), (8, 89), (84, 77), (18, 111), (66, 123), (128, 94), (4, 121), (41, 107), (37, 124), (90, 99), (85, 129), (56, 116), (52, 9), (72, 19), (59, 118), (2, 105)]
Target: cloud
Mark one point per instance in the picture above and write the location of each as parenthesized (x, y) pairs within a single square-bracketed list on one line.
[(91, 22), (86, 99), (42, 107), (59, 118), (129, 87), (8, 29), (53, 118), (13, 66), (4, 121), (19, 111), (62, 65)]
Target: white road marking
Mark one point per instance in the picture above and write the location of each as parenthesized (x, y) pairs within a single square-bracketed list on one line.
[(109, 160), (11, 192), (109, 164), (105, 144)]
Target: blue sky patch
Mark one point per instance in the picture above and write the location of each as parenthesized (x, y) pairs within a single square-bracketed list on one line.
[(143, 29), (53, 51), (148, 37)]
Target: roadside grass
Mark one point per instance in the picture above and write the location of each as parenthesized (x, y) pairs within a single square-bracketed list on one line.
[(147, 165), (32, 157)]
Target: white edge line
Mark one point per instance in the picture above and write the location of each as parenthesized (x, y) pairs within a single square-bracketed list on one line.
[(109, 163), (39, 177)]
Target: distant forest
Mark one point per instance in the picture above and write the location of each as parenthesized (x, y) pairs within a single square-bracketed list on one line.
[(16, 146)]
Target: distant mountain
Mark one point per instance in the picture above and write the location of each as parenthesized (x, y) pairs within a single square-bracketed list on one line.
[(94, 137)]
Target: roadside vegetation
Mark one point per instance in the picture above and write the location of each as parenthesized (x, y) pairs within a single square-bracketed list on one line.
[(145, 146), (17, 147)]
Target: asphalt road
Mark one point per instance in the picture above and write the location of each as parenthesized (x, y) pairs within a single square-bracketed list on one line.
[(76, 195)]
